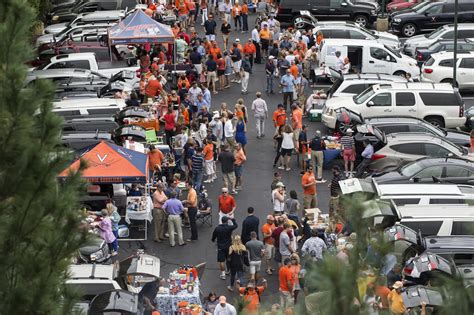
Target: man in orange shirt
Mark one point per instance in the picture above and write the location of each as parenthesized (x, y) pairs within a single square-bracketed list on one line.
[(250, 50), (155, 158), (153, 88), (308, 181), (227, 205), (294, 69), (279, 116), (267, 230), (240, 159), (209, 160), (214, 50), (245, 15), (251, 295), (296, 120), (265, 37), (286, 284)]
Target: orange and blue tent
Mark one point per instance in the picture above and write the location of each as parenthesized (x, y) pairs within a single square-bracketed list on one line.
[(109, 163)]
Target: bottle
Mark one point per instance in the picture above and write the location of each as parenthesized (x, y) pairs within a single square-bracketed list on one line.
[(191, 277)]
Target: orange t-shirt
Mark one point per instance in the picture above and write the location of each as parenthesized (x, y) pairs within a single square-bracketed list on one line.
[(264, 34), (245, 9), (268, 229), (186, 81), (252, 298), (153, 88), (279, 118), (208, 152), (297, 119), (214, 51), (294, 70), (285, 277), (307, 178), (155, 158), (250, 49), (226, 204)]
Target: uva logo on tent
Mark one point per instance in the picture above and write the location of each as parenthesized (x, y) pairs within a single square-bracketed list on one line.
[(102, 159)]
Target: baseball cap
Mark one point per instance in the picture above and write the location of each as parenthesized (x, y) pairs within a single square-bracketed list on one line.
[(224, 189), (398, 285), (237, 40), (280, 184)]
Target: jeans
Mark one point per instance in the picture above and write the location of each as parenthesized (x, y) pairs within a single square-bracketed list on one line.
[(245, 81), (115, 243), (238, 20), (245, 26), (234, 273), (192, 213), (174, 225), (260, 121), (197, 180), (287, 96), (258, 53), (270, 83)]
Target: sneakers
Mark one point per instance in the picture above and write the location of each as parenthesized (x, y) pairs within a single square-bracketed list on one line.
[(222, 276), (281, 167), (208, 181), (288, 169), (320, 180), (238, 81), (229, 288), (233, 192)]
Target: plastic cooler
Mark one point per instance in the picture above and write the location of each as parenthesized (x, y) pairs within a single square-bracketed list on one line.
[(315, 115)]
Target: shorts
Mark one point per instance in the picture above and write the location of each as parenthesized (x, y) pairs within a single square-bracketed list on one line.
[(286, 152), (237, 65), (211, 37), (255, 266), (220, 72), (192, 13), (269, 251), (211, 76), (183, 17), (265, 43), (348, 155), (209, 167), (238, 170), (222, 254)]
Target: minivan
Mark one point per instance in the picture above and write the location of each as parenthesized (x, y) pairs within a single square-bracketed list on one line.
[(367, 56), (439, 104)]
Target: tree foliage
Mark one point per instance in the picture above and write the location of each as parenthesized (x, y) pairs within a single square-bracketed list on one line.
[(39, 218)]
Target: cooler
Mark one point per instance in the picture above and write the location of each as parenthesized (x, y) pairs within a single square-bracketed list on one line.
[(315, 115)]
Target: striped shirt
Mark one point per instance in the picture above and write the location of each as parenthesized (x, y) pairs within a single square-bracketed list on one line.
[(197, 163), (347, 142)]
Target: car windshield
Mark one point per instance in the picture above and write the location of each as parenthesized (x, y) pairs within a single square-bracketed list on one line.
[(421, 6), (411, 169), (396, 53), (455, 149), (435, 33), (435, 47), (365, 95)]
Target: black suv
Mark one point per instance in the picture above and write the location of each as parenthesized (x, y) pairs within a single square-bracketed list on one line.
[(364, 13), (430, 17)]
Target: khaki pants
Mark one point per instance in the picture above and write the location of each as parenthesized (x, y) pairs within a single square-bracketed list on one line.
[(310, 201), (286, 299), (317, 159), (231, 142), (159, 220), (229, 180), (174, 225)]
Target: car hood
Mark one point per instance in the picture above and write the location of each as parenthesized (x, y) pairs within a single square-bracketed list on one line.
[(418, 41), (341, 101), (458, 137), (44, 39), (55, 28), (388, 39)]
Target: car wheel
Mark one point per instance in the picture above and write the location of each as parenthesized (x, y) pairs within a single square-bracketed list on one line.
[(409, 29), (450, 81), (435, 121), (400, 73), (361, 20)]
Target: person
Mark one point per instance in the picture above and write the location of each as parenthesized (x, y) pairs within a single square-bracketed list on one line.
[(285, 277), (246, 70), (245, 14), (174, 208), (269, 248), (240, 159), (278, 198), (236, 57), (288, 83), (159, 214), (395, 300), (238, 257), (204, 7), (105, 230), (197, 168), (222, 234), (155, 159), (367, 158), (135, 191), (309, 189), (335, 190), (148, 294), (292, 206), (211, 66), (279, 117), (318, 146), (192, 208), (286, 247), (225, 30), (210, 27), (339, 61), (265, 37), (250, 224), (270, 74), (256, 250), (210, 303), (287, 146), (314, 247), (251, 295), (370, 301), (224, 308), (169, 120), (303, 146), (227, 205), (236, 15), (241, 132), (256, 42), (208, 153), (348, 152), (249, 49), (260, 110), (295, 268), (296, 120), (228, 130), (346, 67), (227, 160)]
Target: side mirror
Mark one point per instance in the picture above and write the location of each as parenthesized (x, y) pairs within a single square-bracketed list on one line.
[(343, 4), (370, 103), (416, 179)]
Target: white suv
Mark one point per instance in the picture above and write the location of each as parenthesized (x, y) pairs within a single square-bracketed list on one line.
[(439, 68), (439, 104)]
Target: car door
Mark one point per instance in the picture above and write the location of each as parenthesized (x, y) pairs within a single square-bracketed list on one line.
[(435, 150), (466, 73), (380, 61), (338, 9), (458, 175), (405, 104), (320, 9), (426, 175), (379, 105), (433, 17)]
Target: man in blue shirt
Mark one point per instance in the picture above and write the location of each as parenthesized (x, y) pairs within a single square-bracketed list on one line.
[(174, 208), (367, 158), (288, 83), (200, 102)]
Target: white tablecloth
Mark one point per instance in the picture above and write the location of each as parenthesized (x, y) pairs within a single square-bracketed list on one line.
[(140, 215), (168, 303)]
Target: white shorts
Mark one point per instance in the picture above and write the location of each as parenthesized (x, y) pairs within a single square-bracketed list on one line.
[(255, 266), (269, 251), (237, 65), (211, 37), (221, 215), (209, 167)]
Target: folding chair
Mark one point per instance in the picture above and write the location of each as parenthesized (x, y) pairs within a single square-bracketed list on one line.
[(204, 217), (151, 137)]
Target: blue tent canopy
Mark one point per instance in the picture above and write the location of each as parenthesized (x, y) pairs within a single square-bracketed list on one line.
[(139, 28)]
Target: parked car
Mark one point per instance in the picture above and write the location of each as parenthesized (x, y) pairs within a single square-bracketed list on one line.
[(116, 302), (401, 124), (439, 68), (72, 33), (367, 56), (67, 14), (397, 5), (401, 148), (446, 32), (430, 17), (61, 74), (82, 139), (362, 13), (463, 46), (95, 251), (429, 170), (352, 30), (92, 107), (353, 84), (102, 124), (438, 104), (470, 119)]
